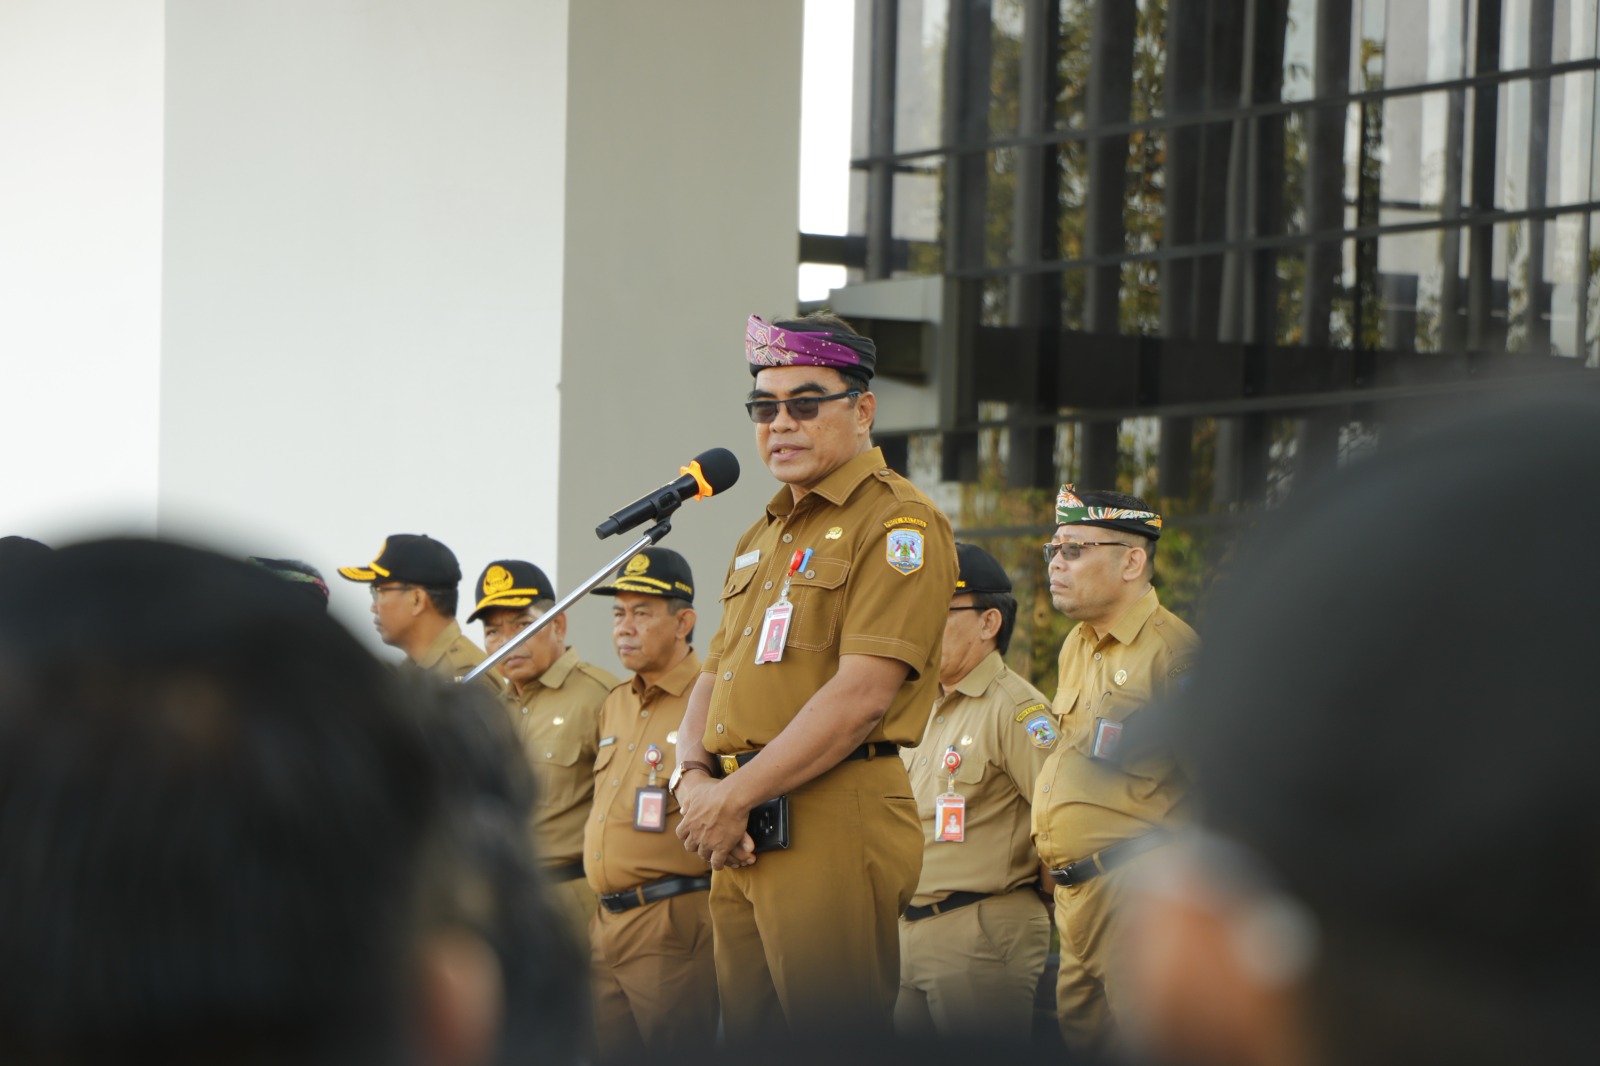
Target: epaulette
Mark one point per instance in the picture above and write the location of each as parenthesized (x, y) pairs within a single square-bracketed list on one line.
[(606, 679)]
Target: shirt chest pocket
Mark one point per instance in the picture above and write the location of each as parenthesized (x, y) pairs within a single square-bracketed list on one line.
[(603, 757), (971, 771), (738, 581), (818, 599), (558, 769)]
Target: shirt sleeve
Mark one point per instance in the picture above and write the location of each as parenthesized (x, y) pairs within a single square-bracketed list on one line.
[(900, 586)]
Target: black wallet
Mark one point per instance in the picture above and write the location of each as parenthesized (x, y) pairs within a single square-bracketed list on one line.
[(769, 824)]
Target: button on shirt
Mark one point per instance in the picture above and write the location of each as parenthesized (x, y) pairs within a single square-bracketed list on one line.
[(1083, 804), (878, 583), (556, 718), (1004, 730), (616, 856)]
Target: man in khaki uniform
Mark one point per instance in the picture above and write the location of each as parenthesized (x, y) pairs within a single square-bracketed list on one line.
[(823, 667), (554, 699), (1101, 800), (654, 980), (414, 582), (974, 940)]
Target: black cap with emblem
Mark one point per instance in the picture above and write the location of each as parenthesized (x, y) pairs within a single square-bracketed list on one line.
[(410, 558), (979, 571), (513, 584), (653, 572)]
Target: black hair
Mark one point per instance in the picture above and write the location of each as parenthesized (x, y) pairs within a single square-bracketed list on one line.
[(1006, 604), (211, 818), (445, 599), (676, 605), (1443, 835), (1132, 503)]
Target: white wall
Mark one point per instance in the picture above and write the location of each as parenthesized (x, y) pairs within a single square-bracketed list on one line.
[(363, 282), (80, 264), (682, 220)]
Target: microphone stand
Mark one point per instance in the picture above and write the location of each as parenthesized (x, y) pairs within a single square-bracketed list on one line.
[(651, 536)]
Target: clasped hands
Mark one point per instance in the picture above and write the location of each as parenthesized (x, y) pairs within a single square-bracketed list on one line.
[(714, 822)]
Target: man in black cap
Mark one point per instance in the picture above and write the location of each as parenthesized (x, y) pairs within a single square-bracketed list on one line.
[(974, 939), (554, 699), (655, 982), (1100, 802), (415, 581)]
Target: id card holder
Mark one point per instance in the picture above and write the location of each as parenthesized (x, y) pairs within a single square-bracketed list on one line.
[(774, 632), (650, 809), (950, 818), (1107, 739)]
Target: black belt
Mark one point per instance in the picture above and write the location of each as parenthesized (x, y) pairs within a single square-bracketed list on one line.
[(1106, 860), (570, 872), (954, 901), (666, 888), (879, 749)]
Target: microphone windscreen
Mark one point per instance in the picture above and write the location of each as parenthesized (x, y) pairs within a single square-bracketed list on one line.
[(719, 467)]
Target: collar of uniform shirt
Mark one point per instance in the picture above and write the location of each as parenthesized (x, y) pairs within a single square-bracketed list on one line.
[(1127, 627), (675, 681), (836, 487), (557, 674), (980, 677)]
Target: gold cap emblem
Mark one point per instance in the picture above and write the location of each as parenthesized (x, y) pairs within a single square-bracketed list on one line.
[(637, 565), (497, 580)]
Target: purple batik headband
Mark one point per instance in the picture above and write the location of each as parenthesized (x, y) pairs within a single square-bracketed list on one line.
[(771, 344)]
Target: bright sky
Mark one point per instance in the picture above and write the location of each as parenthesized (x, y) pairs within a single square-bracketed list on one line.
[(826, 81)]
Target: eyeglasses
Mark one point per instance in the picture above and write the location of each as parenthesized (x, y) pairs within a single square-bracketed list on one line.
[(801, 408), (378, 590), (1070, 550)]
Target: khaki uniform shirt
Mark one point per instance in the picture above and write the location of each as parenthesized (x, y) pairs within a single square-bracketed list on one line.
[(556, 718), (616, 856), (878, 583), (452, 656), (1087, 800), (1004, 730)]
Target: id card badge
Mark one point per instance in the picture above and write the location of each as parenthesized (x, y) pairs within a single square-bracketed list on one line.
[(650, 809), (950, 816), (1107, 739), (774, 632)]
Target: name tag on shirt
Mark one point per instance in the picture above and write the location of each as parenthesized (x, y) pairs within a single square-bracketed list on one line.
[(606, 742), (747, 559)]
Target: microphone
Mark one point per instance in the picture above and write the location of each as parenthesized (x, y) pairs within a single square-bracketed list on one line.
[(707, 473)]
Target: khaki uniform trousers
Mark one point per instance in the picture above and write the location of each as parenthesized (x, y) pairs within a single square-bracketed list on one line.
[(576, 903), (1088, 916), (654, 980), (973, 972), (807, 939)]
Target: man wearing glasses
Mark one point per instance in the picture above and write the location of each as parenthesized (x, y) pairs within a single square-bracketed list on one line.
[(1102, 798), (414, 582), (823, 667), (974, 940)]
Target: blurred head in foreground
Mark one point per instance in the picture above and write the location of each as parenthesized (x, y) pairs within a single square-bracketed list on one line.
[(1397, 756), (228, 835)]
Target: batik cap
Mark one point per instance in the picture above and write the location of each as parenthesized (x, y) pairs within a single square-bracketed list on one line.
[(1075, 508), (803, 343)]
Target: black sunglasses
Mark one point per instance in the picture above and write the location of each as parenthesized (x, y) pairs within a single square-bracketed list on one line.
[(801, 408)]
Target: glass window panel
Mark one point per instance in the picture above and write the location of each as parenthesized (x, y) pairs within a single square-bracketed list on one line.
[(918, 215), (1073, 62), (1565, 273), (919, 74), (1006, 76), (1423, 41), (1575, 30), (1570, 138)]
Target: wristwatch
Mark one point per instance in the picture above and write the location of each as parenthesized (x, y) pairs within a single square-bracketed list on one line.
[(677, 774)]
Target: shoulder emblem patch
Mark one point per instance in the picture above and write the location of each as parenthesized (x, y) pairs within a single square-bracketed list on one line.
[(1041, 730), (905, 520), (1031, 709), (904, 550)]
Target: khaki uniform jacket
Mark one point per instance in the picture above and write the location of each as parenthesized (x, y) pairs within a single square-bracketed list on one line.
[(878, 583), (1087, 797), (557, 720), (616, 856), (452, 656), (1004, 730)]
